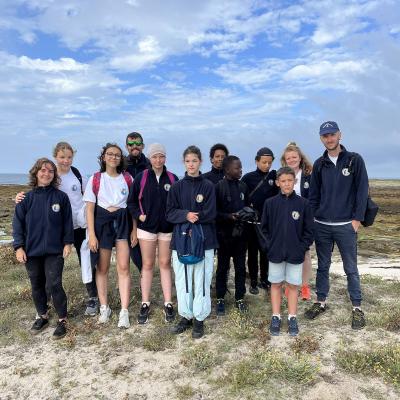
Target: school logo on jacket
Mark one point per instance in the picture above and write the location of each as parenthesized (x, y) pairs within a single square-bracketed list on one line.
[(124, 191), (345, 172), (167, 186), (74, 188), (295, 215), (199, 198), (306, 185), (55, 207), (271, 182), (241, 196)]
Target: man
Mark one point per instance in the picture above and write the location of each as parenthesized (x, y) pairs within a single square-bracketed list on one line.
[(338, 197), (136, 162), (217, 154)]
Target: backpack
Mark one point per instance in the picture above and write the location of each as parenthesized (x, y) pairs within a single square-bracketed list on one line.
[(189, 243), (97, 177), (78, 176), (143, 182)]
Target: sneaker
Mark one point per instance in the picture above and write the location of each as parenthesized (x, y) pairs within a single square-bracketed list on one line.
[(275, 326), (293, 328), (39, 324), (264, 285), (61, 329), (305, 292), (198, 329), (169, 313), (143, 315), (315, 310), (92, 307), (358, 320), (241, 306), (220, 309), (124, 319), (105, 312), (254, 290), (182, 326)]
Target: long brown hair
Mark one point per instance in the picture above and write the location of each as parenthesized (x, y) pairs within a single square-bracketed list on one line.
[(33, 181), (305, 164)]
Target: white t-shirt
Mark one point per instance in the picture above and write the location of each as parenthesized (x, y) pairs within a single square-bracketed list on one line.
[(72, 187), (113, 191), (297, 185), (333, 159)]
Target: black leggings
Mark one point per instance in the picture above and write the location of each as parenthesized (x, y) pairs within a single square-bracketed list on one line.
[(46, 272)]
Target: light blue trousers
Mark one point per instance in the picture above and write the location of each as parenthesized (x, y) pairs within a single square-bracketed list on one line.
[(193, 287)]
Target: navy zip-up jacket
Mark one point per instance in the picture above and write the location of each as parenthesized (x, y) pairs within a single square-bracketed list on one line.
[(337, 194), (215, 175), (305, 185), (42, 222), (154, 202), (137, 165), (194, 194), (288, 225), (232, 196), (265, 191)]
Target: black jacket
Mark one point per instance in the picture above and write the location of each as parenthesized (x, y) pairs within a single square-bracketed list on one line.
[(215, 175), (194, 194), (288, 225), (265, 191), (137, 165), (154, 202), (337, 193), (42, 222)]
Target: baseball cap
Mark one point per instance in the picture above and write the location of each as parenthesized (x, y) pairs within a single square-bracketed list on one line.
[(265, 151), (328, 127)]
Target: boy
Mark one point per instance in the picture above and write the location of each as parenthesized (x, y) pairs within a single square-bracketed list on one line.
[(261, 184), (287, 223), (231, 197)]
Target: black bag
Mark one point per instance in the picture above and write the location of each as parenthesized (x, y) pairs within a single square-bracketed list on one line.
[(370, 212)]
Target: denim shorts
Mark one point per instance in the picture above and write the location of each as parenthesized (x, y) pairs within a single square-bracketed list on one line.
[(284, 271)]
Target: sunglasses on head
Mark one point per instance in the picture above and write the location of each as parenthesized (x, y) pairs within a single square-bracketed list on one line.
[(134, 143)]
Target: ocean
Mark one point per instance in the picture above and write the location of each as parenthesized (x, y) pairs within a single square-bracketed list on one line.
[(13, 179)]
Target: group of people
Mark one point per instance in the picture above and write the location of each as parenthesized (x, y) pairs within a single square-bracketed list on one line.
[(137, 206)]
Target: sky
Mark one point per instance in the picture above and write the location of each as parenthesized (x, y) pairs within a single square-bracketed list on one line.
[(245, 73)]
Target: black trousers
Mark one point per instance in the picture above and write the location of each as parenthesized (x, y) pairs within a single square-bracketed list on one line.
[(79, 237), (235, 249), (254, 255), (46, 272)]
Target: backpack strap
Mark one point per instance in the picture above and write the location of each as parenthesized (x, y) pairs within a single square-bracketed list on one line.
[(128, 179), (96, 183), (171, 177), (259, 184), (143, 181), (78, 176)]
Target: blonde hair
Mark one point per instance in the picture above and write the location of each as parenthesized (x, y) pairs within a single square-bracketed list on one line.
[(62, 146), (305, 164)]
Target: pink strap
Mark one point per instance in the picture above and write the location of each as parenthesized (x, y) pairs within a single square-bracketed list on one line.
[(96, 183), (142, 185)]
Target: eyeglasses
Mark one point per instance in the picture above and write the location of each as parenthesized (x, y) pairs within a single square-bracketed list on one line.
[(134, 143), (114, 155)]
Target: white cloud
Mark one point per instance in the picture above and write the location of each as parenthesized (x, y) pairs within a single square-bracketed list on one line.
[(63, 64)]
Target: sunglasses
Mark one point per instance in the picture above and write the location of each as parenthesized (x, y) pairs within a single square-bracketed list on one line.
[(134, 143)]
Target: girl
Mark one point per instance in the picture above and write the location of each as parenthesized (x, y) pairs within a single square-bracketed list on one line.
[(43, 234), (294, 158), (107, 219), (147, 204), (192, 199), (73, 184)]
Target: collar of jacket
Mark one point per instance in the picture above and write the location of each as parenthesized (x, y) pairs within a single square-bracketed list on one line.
[(259, 172), (217, 171), (291, 195), (43, 189), (136, 160), (343, 153), (193, 178)]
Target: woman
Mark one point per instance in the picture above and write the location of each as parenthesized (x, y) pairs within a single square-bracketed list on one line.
[(192, 199), (106, 198), (73, 184), (147, 204), (294, 158), (43, 235)]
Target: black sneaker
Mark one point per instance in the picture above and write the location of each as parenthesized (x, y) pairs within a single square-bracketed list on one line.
[(358, 320), (254, 290), (198, 329), (169, 313), (293, 328), (220, 309), (241, 306), (143, 315), (182, 326), (315, 310), (61, 330), (264, 285), (275, 326), (39, 324)]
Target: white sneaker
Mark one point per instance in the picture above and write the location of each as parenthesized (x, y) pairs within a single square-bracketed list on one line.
[(105, 313), (124, 319)]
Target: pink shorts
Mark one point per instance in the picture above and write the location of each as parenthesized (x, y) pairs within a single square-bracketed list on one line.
[(153, 237)]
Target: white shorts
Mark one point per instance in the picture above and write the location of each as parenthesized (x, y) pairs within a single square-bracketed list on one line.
[(153, 237)]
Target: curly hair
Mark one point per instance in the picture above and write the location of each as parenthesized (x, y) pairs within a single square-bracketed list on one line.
[(305, 164), (218, 146), (33, 181), (122, 163)]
